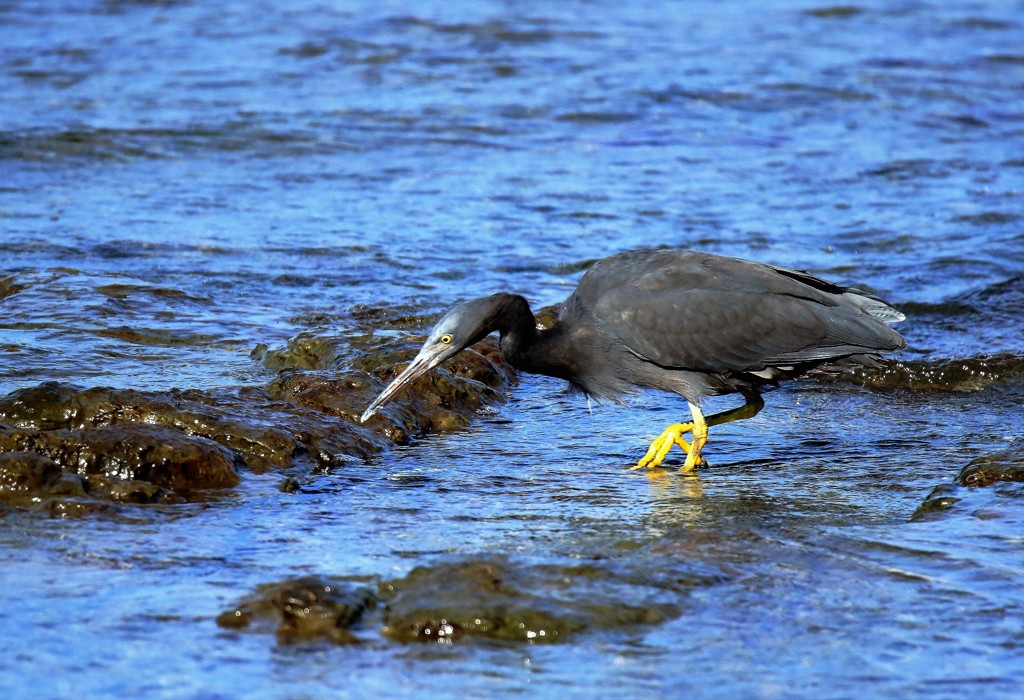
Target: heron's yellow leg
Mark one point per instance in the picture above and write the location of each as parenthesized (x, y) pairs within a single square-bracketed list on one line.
[(700, 437), (673, 434)]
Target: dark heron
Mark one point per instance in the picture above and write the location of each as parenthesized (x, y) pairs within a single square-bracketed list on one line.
[(691, 323)]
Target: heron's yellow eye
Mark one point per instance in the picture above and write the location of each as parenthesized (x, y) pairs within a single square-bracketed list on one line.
[(446, 339)]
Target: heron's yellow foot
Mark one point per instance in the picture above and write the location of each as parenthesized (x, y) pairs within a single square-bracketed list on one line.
[(672, 435)]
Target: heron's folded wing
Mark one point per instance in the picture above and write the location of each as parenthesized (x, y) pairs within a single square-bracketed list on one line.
[(715, 314), (715, 331)]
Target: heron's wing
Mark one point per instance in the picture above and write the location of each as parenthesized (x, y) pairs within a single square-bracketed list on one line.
[(715, 314)]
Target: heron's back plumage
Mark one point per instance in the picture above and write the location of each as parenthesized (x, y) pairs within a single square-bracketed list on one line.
[(734, 321)]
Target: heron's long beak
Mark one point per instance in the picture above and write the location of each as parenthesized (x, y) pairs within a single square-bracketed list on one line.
[(426, 360)]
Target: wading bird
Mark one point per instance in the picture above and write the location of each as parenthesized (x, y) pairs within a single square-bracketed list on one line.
[(686, 322)]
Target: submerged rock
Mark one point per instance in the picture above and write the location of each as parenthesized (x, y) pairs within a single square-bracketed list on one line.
[(9, 287), (459, 601), (474, 599), (495, 599), (980, 473), (966, 374), (304, 609), (987, 470)]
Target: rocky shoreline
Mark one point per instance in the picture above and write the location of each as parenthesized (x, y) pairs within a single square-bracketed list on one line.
[(67, 450)]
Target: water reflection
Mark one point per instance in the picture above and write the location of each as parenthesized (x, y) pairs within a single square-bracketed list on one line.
[(675, 501)]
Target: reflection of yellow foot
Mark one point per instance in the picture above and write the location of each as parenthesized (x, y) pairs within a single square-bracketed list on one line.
[(672, 435)]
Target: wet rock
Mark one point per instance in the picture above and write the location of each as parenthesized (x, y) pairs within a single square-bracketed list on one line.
[(30, 478), (53, 406), (445, 399), (27, 473), (132, 446), (941, 499), (987, 470), (76, 507), (46, 407), (73, 486), (264, 432), (966, 374), (160, 456), (128, 490), (495, 599), (306, 350), (340, 395), (9, 287), (304, 609), (326, 407), (547, 316), (270, 431), (301, 413)]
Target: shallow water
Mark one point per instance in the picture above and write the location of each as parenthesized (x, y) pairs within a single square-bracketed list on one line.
[(182, 183)]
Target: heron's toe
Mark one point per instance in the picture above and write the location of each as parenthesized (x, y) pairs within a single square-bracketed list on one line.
[(692, 463), (660, 447)]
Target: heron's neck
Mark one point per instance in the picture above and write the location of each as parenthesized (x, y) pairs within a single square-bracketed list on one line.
[(526, 347)]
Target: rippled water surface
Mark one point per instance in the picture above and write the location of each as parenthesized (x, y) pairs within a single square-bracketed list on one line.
[(186, 185)]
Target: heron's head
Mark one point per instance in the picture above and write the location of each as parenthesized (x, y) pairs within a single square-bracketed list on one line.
[(460, 328)]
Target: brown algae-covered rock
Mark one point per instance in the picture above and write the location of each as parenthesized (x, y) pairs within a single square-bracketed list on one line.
[(972, 486), (26, 474), (266, 433), (303, 609), (127, 445), (459, 601), (306, 350), (136, 451), (498, 600), (270, 431), (30, 478), (223, 416), (960, 375), (987, 470)]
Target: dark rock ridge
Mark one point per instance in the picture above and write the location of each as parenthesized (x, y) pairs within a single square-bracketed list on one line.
[(60, 442), (488, 599)]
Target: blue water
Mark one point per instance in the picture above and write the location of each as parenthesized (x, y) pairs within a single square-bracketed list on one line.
[(183, 181)]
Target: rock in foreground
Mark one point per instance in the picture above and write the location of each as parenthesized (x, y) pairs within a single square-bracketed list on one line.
[(459, 602)]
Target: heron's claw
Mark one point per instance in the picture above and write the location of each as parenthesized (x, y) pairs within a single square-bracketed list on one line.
[(659, 449)]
